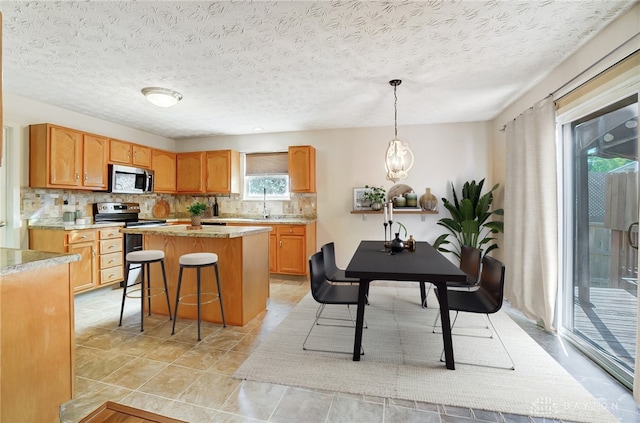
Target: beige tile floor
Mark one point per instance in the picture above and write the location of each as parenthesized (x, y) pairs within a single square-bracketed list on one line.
[(179, 377)]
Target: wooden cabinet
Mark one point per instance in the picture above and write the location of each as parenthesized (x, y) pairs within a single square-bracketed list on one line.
[(190, 172), (223, 172), (101, 253), (123, 152), (110, 259), (65, 158), (37, 344), (216, 172), (289, 247), (302, 168), (163, 163)]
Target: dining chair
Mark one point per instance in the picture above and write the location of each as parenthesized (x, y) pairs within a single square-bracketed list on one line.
[(331, 269), (485, 299), (470, 258), (326, 293)]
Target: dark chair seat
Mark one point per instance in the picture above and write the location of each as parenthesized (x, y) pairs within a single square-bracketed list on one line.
[(337, 294), (332, 272), (470, 258)]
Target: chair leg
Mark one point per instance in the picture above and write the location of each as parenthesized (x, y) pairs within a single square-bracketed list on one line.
[(166, 288), (513, 365), (124, 291), (215, 265), (198, 300), (142, 290), (175, 309), (315, 322)]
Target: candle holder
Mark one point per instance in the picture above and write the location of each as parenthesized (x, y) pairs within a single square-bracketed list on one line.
[(386, 245)]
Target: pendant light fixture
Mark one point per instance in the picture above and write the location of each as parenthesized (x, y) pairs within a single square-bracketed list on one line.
[(161, 97), (398, 159)]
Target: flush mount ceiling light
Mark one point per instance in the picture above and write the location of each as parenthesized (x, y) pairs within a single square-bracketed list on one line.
[(161, 97), (398, 159)]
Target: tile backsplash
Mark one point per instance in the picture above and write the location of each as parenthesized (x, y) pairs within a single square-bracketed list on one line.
[(48, 205)]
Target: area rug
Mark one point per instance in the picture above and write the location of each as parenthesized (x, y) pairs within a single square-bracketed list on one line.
[(402, 360)]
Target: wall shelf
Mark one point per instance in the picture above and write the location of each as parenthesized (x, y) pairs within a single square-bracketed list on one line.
[(423, 213)]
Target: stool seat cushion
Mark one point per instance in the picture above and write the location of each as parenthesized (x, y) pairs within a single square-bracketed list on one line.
[(198, 259), (145, 255)]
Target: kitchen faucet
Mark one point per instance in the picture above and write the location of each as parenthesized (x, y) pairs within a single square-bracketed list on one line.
[(265, 212)]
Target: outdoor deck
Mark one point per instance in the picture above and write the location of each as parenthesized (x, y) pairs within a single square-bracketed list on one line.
[(610, 321)]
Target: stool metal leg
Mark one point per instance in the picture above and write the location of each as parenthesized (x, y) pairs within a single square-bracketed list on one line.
[(215, 265), (198, 290), (142, 298), (124, 291), (175, 310), (166, 288), (149, 287)]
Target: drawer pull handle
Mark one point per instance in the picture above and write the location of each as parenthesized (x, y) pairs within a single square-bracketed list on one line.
[(110, 261), (83, 236)]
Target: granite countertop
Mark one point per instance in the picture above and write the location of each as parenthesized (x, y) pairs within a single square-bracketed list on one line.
[(205, 232), (73, 226), (15, 261)]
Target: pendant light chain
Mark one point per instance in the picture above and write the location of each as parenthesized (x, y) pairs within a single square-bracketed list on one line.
[(395, 107)]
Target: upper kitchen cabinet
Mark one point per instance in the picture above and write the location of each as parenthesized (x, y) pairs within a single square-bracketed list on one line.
[(190, 172), (126, 153), (163, 163), (302, 168), (223, 172), (65, 158)]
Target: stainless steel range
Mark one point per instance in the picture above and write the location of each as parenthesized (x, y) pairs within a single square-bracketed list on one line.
[(126, 213)]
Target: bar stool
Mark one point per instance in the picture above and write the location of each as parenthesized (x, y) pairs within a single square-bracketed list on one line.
[(144, 258), (198, 261)]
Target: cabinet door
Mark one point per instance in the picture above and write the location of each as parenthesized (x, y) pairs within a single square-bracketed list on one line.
[(119, 152), (163, 164), (82, 272), (141, 156), (65, 156), (223, 172), (190, 172), (273, 252), (302, 168), (94, 162), (291, 257)]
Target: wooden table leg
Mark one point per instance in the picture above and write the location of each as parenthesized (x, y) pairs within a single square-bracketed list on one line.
[(446, 326), (362, 299)]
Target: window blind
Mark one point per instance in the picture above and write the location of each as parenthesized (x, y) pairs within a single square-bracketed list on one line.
[(266, 163)]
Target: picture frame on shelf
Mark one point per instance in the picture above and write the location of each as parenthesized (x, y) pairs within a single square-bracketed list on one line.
[(359, 203)]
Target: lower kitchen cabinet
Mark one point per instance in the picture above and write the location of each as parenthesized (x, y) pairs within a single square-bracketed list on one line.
[(290, 246), (100, 250)]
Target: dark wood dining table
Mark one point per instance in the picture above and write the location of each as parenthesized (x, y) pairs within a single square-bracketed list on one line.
[(425, 264)]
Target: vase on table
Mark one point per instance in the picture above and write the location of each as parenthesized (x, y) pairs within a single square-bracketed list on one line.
[(397, 245), (428, 201), (196, 220)]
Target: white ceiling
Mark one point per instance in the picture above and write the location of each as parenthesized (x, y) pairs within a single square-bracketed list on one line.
[(289, 65)]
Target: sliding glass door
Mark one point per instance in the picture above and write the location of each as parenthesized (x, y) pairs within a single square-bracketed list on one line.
[(600, 291)]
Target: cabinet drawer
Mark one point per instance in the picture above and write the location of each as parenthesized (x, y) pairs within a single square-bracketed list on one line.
[(109, 233), (112, 274), (80, 236), (291, 230), (110, 260), (110, 245)]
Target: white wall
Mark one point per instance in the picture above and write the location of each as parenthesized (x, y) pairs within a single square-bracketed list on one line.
[(349, 158)]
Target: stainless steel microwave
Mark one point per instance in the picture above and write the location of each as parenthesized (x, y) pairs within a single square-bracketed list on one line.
[(130, 180)]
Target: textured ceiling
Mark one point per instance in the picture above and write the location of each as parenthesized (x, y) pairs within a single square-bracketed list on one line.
[(289, 65)]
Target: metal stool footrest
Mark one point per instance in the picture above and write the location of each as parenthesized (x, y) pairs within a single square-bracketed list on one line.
[(215, 295)]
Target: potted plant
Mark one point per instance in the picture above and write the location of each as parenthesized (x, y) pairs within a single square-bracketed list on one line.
[(375, 195), (469, 222), (196, 209)]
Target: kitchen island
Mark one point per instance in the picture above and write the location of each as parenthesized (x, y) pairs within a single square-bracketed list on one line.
[(37, 335), (243, 262)]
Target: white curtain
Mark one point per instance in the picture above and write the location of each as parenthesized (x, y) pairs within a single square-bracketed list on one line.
[(531, 213)]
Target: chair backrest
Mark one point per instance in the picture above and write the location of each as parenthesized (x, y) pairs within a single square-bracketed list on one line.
[(492, 283), (317, 275), (330, 266), (470, 259)]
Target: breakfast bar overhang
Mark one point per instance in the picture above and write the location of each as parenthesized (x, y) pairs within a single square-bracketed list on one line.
[(243, 261)]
